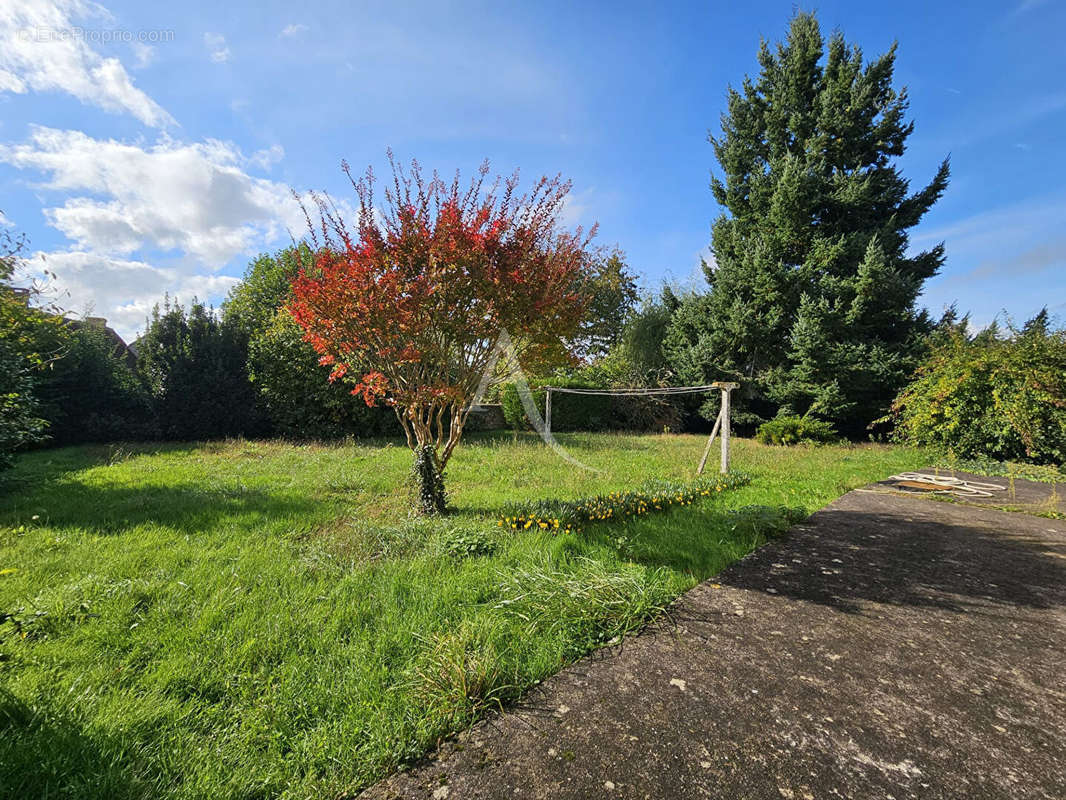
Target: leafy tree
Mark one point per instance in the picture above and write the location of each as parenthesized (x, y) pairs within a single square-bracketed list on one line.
[(20, 422), (641, 343), (195, 366), (30, 324), (30, 340), (813, 296), (417, 299), (991, 395), (612, 297), (266, 286), (291, 386), (295, 391)]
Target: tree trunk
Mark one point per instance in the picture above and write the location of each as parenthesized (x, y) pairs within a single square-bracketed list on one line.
[(428, 480)]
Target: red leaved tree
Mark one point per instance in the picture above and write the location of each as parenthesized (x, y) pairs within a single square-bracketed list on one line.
[(412, 300)]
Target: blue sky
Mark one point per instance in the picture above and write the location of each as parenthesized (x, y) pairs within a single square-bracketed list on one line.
[(151, 147)]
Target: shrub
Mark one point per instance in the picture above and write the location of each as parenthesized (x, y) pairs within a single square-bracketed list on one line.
[(990, 395), (570, 412), (294, 389), (591, 412), (20, 423), (195, 367), (91, 394), (791, 429), (568, 516)]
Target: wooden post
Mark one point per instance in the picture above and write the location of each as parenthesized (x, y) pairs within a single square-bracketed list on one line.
[(726, 388), (710, 441), (548, 410)]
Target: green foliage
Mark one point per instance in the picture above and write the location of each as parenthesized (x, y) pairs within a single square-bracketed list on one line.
[(29, 341), (296, 394), (20, 421), (460, 543), (570, 412), (991, 396), (195, 367), (612, 293), (813, 294), (292, 388), (29, 326), (581, 412), (790, 429), (641, 344), (92, 395), (252, 304), (568, 516)]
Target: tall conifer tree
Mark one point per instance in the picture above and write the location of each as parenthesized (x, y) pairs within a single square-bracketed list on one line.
[(813, 301)]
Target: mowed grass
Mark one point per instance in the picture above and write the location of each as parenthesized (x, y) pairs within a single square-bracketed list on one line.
[(260, 619)]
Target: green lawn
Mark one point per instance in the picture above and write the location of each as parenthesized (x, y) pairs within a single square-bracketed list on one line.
[(259, 619)]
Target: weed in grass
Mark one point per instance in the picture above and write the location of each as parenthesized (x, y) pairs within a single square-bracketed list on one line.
[(587, 598), (1004, 469), (467, 544), (460, 675)]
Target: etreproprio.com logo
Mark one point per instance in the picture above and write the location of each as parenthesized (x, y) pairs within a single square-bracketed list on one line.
[(43, 35)]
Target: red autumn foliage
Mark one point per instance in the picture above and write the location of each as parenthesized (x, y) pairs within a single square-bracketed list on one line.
[(415, 298)]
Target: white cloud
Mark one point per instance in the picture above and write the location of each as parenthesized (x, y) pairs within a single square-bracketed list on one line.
[(267, 157), (143, 53), (5, 222), (41, 52), (996, 235), (122, 290), (294, 30), (125, 207), (172, 196), (216, 46), (1006, 257)]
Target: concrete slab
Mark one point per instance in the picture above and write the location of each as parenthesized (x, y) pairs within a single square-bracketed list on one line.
[(1031, 497)]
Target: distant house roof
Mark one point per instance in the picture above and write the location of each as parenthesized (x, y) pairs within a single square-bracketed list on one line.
[(100, 323)]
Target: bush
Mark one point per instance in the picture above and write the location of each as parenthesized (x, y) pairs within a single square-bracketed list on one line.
[(295, 392), (590, 412), (20, 423), (791, 429), (990, 396), (90, 394), (195, 367), (294, 395), (570, 412)]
